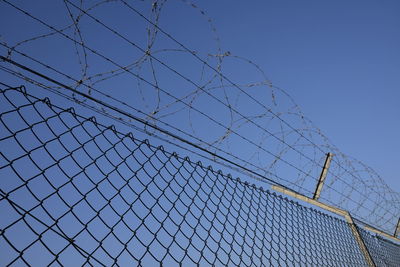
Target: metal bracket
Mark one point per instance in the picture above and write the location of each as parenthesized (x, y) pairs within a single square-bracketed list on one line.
[(322, 177)]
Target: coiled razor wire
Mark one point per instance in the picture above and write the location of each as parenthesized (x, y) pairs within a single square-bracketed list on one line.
[(74, 192)]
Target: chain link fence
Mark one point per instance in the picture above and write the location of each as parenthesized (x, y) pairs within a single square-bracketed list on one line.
[(75, 192), (382, 251)]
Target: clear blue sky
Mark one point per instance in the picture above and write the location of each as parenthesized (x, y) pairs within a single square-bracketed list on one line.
[(340, 60)]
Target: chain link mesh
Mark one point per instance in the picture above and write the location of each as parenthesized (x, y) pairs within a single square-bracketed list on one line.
[(75, 192), (383, 252)]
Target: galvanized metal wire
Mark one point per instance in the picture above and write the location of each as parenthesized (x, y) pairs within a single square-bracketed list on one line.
[(75, 192), (383, 251)]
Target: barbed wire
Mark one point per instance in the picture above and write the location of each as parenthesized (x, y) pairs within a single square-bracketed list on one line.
[(291, 138), (247, 172), (214, 159)]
